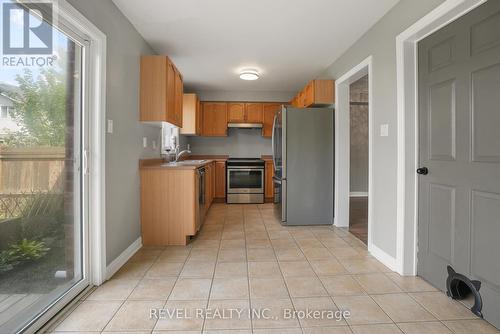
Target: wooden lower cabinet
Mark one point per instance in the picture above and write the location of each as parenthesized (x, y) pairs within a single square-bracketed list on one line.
[(209, 185), (169, 200), (169, 206), (269, 185), (169, 203), (220, 180)]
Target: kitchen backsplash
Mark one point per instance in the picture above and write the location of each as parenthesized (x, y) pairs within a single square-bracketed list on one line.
[(242, 143)]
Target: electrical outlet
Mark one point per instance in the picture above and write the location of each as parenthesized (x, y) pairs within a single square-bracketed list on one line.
[(110, 126), (384, 130), (145, 142), (154, 144)]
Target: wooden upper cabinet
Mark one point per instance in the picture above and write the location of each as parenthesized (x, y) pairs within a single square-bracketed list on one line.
[(153, 100), (254, 113), (199, 119), (245, 112), (308, 94), (236, 112), (315, 93), (191, 115), (207, 110), (161, 91), (179, 98), (302, 100), (170, 93), (220, 120), (270, 109), (324, 92), (214, 119)]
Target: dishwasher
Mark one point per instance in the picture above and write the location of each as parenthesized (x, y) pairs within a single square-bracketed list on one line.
[(201, 198)]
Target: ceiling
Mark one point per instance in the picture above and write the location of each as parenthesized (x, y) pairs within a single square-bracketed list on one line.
[(288, 41)]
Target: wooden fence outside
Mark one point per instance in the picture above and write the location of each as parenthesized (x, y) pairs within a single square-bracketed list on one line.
[(27, 170)]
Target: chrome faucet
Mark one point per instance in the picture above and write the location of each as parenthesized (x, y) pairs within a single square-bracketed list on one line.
[(178, 154)]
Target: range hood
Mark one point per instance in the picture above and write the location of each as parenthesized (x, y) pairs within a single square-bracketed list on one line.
[(245, 125)]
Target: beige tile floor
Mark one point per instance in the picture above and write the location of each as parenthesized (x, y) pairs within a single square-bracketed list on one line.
[(243, 259)]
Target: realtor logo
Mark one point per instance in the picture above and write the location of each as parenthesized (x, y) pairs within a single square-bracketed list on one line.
[(26, 30)]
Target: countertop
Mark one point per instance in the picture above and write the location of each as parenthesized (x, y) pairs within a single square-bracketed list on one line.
[(160, 163)]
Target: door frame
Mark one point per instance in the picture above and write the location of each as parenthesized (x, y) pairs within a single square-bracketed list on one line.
[(95, 160), (342, 146), (407, 106), (94, 260)]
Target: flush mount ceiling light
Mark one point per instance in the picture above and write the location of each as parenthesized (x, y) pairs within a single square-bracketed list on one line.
[(249, 74)]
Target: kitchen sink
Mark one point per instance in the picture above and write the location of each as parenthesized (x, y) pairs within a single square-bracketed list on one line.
[(184, 163), (193, 162)]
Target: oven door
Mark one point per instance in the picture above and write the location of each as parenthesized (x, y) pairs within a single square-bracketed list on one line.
[(245, 180)]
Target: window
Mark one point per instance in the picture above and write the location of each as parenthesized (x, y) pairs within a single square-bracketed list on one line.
[(4, 113)]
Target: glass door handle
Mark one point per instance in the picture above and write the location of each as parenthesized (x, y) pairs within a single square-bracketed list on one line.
[(85, 162)]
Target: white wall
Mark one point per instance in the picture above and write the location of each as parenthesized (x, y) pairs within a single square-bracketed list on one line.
[(380, 42), (124, 146)]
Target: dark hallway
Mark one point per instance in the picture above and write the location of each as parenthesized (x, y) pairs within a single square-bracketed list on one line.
[(358, 203)]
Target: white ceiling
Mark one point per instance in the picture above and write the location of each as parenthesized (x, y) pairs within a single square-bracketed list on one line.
[(288, 41)]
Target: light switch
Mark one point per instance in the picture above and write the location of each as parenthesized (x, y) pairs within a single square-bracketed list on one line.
[(384, 130), (145, 142), (110, 126)]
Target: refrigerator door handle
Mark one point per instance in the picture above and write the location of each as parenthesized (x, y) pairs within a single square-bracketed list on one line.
[(283, 142), (283, 202), (273, 140)]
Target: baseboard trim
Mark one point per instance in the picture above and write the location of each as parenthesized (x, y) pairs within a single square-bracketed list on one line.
[(123, 258), (358, 194), (383, 257)]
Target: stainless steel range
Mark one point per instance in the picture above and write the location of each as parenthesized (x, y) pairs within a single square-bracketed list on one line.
[(245, 180)]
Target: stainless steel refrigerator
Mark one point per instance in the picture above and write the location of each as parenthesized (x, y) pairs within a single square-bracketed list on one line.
[(303, 158)]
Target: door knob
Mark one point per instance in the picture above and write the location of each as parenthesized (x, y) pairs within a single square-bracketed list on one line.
[(423, 171)]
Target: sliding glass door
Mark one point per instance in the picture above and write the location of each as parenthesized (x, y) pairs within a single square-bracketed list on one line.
[(43, 181)]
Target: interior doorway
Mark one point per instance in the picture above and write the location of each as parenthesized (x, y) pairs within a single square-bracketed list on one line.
[(358, 156), (344, 209)]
